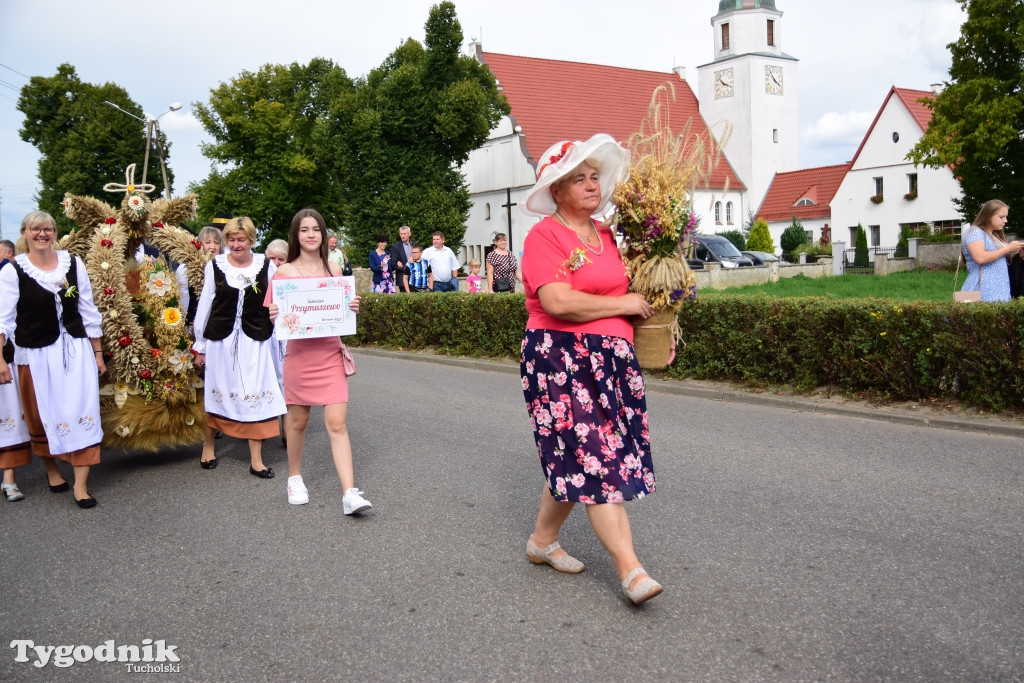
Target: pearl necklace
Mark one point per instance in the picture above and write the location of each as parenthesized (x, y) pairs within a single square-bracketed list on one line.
[(585, 243)]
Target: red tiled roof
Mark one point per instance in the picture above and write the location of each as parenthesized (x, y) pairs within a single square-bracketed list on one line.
[(554, 100), (818, 184), (909, 98)]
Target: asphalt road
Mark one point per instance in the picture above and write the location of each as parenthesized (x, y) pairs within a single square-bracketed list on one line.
[(794, 543)]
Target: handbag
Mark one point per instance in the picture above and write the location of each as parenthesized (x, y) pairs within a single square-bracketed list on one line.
[(502, 284), (347, 361), (968, 295)]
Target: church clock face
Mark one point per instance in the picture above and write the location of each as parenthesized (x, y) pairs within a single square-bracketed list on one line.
[(773, 80), (723, 83)]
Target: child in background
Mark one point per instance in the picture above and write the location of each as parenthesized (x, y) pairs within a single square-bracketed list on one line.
[(474, 283), (415, 276), (277, 251)]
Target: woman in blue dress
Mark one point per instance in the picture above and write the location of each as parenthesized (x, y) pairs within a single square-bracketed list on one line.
[(383, 279), (985, 249)]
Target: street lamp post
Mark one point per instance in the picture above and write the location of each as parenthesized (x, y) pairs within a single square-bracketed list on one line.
[(152, 128)]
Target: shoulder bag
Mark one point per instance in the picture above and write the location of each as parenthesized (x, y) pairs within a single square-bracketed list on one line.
[(967, 296), (347, 361)]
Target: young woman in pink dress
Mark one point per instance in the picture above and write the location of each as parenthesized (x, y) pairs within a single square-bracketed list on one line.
[(313, 371)]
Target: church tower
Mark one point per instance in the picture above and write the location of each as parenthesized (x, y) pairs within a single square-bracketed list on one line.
[(753, 85)]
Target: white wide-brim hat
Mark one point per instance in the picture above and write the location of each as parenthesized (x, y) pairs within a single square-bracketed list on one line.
[(563, 157)]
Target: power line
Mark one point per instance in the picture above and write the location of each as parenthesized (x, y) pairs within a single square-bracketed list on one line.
[(9, 85), (15, 71)]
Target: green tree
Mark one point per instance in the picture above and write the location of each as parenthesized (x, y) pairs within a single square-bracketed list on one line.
[(977, 124), (83, 142), (397, 140), (760, 238), (793, 236), (902, 245), (262, 125), (860, 253), (736, 237)]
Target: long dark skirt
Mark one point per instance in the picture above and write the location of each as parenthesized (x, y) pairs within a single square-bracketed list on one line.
[(585, 395)]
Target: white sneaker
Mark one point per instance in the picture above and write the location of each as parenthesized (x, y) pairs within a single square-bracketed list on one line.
[(297, 493), (354, 503)]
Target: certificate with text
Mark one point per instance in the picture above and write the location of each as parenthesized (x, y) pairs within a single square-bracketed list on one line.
[(314, 307)]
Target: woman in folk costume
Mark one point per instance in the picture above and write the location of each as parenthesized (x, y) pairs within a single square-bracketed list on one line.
[(14, 439), (46, 304), (235, 341)]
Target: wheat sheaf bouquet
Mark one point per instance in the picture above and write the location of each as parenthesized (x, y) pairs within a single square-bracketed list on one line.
[(654, 215)]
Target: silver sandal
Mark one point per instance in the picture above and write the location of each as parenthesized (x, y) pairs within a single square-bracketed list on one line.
[(645, 589)]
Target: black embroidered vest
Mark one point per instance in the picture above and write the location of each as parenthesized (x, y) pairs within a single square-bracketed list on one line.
[(35, 322), (255, 317)]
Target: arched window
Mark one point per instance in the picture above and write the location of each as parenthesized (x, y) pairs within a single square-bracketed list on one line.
[(718, 212), (487, 211), (728, 212), (805, 202)]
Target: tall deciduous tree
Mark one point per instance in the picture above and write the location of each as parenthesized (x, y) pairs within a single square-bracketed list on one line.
[(84, 143), (399, 139), (269, 165), (977, 124)]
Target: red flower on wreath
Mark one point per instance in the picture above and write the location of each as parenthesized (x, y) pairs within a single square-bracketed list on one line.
[(124, 340), (110, 221), (106, 243), (146, 373), (197, 244), (109, 291), (158, 224), (155, 352)]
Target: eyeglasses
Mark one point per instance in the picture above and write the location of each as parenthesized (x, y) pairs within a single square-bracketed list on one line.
[(35, 230)]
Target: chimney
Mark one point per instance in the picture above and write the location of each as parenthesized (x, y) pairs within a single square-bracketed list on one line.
[(937, 88), (680, 71)]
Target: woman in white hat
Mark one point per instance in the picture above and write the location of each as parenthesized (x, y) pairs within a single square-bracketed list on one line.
[(583, 386)]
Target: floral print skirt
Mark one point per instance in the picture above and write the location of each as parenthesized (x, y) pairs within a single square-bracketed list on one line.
[(585, 395)]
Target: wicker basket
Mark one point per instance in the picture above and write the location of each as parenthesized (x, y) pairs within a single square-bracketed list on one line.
[(652, 339)]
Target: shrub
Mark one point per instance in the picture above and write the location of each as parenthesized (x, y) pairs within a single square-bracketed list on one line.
[(736, 237), (879, 347), (902, 247), (860, 254), (793, 237), (760, 238)]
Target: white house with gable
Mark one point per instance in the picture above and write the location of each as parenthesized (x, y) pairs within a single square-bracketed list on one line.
[(882, 191)]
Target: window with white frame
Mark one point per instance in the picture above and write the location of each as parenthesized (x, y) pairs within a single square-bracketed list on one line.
[(875, 236), (911, 184), (853, 236), (728, 212), (771, 33), (718, 212), (725, 36), (878, 187)]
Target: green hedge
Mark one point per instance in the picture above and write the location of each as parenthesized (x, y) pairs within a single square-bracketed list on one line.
[(901, 351)]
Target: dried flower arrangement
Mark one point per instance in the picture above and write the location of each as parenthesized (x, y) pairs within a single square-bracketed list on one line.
[(654, 206), (654, 214)]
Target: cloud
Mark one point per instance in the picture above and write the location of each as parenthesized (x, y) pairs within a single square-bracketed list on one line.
[(834, 137)]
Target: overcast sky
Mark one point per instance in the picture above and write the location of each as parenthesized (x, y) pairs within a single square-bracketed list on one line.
[(850, 55)]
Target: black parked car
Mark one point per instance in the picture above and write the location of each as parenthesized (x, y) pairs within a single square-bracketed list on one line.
[(717, 249), (760, 258)]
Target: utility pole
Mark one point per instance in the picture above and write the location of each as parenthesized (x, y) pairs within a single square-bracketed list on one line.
[(508, 209)]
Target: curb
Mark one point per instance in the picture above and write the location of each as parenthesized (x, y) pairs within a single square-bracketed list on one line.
[(991, 425)]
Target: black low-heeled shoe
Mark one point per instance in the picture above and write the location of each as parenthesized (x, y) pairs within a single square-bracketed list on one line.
[(208, 464), (86, 503), (60, 488), (262, 474)]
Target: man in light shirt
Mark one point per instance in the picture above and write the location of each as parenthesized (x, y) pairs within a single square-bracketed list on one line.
[(442, 261)]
